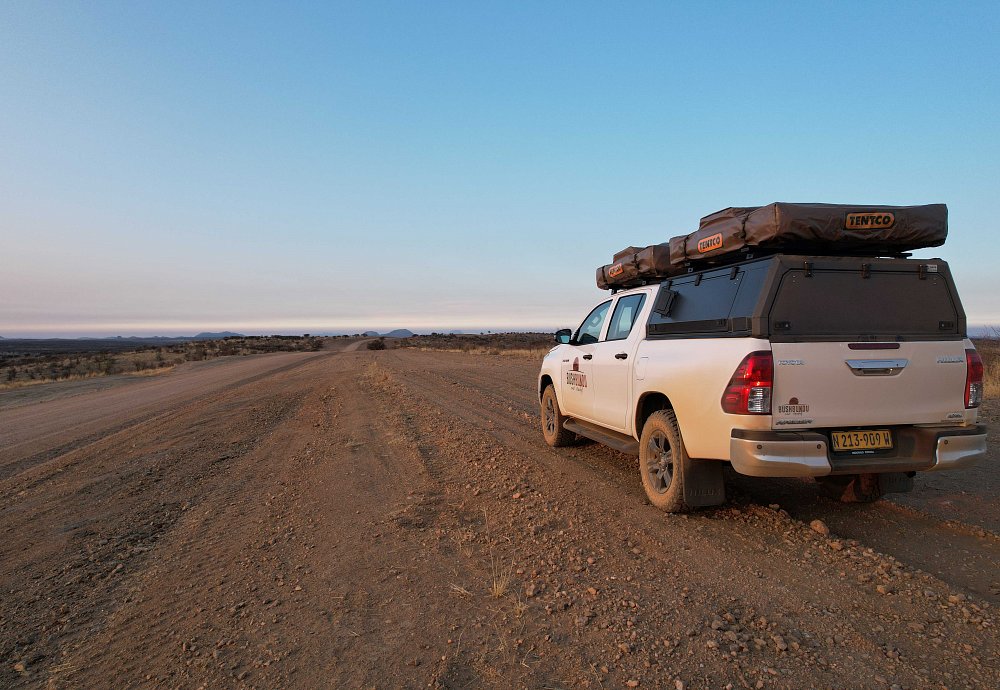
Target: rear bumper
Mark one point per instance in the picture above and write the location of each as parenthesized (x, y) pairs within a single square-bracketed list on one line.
[(808, 454)]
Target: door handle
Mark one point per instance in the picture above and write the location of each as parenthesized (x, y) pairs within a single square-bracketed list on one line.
[(876, 367), (588, 356), (621, 355)]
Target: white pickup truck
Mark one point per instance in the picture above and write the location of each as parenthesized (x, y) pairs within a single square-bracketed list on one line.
[(856, 371)]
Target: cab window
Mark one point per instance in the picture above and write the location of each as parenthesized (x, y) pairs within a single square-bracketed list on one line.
[(626, 312), (590, 329)]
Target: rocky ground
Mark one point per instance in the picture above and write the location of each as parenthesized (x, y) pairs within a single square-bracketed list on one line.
[(393, 519)]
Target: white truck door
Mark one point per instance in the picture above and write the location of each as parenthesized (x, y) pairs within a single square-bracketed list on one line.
[(576, 386), (613, 362)]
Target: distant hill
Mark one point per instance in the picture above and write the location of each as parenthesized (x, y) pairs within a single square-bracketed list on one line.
[(399, 333), (371, 334), (217, 336)]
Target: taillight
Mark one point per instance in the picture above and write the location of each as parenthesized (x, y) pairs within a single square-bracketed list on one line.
[(749, 391), (973, 379)]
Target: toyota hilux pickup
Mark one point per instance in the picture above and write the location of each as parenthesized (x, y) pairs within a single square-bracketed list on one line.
[(854, 370)]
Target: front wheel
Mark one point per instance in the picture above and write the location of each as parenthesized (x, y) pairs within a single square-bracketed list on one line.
[(662, 462), (552, 420)]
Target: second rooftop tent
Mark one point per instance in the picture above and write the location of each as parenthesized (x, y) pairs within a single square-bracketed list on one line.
[(820, 229)]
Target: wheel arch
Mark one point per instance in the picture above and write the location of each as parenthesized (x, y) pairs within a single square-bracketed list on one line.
[(543, 382), (648, 403)]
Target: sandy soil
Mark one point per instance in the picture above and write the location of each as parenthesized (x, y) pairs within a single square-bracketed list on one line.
[(393, 519)]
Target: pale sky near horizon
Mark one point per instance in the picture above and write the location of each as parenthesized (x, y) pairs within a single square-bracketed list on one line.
[(168, 168)]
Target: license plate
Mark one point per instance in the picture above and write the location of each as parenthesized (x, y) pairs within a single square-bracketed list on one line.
[(861, 440)]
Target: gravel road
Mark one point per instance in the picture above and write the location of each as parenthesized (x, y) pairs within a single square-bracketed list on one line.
[(393, 519)]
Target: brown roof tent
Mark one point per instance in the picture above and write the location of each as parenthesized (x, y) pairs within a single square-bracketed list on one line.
[(732, 234)]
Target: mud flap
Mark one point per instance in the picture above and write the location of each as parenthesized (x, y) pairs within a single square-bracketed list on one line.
[(703, 483), (895, 482)]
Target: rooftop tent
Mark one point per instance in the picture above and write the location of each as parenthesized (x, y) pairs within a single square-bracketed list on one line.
[(821, 229)]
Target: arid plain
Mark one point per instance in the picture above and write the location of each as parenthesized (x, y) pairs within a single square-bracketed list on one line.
[(356, 518)]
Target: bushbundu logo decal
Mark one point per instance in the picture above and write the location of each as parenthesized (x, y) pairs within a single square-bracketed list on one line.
[(576, 377), (793, 407)]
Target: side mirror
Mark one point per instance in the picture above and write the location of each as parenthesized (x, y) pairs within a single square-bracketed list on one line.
[(563, 336)]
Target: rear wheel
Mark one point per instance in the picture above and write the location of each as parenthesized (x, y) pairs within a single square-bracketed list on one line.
[(552, 420), (851, 488), (662, 459)]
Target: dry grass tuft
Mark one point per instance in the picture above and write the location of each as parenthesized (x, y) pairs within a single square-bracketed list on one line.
[(460, 591), (378, 377), (500, 576), (520, 608)]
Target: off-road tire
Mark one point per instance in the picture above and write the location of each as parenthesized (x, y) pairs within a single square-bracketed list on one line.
[(662, 461), (851, 488), (552, 420)]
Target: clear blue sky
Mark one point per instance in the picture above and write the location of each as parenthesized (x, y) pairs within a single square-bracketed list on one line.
[(171, 167)]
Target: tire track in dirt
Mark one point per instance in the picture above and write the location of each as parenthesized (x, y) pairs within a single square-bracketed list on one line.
[(108, 520), (182, 398)]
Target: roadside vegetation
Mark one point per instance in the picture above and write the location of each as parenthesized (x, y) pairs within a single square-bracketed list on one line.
[(26, 367), (989, 350), (516, 344)]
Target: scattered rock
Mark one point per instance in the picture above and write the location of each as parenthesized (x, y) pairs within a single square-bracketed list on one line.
[(632, 683), (20, 667), (819, 527)]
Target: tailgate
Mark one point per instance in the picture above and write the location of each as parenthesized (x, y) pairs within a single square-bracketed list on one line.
[(829, 384)]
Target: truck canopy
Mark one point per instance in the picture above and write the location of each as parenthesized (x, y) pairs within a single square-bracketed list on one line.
[(797, 298)]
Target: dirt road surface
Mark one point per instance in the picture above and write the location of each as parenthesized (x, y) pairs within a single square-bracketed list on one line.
[(393, 519)]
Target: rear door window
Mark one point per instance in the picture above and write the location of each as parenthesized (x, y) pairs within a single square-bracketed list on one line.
[(626, 312), (702, 304)]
